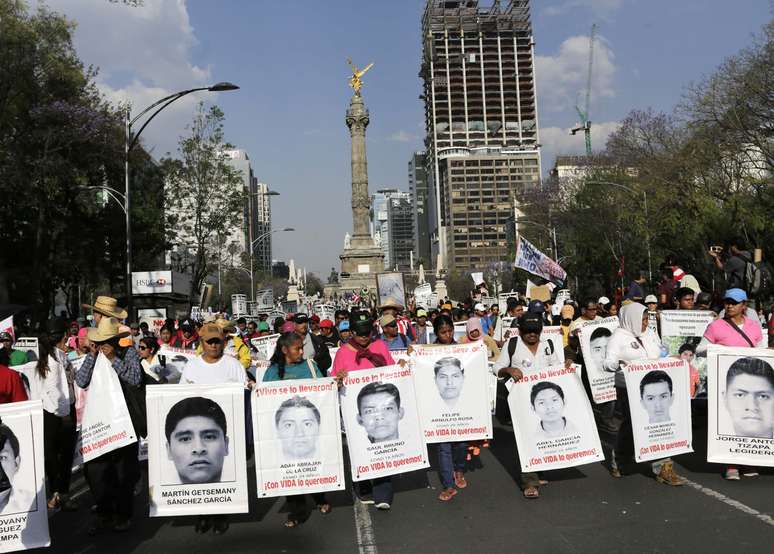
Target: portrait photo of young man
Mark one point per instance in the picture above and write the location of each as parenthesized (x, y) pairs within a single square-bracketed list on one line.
[(297, 421), (379, 411), (749, 397), (656, 396)]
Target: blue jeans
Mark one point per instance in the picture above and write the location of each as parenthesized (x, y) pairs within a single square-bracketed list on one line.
[(380, 488), (451, 457)]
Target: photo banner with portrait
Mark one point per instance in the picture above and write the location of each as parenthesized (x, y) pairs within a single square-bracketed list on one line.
[(297, 435), (196, 450), (23, 513), (552, 420), (105, 421), (384, 433), (740, 427), (594, 336), (660, 405), (265, 346), (453, 391), (681, 332), (391, 288), (173, 361)]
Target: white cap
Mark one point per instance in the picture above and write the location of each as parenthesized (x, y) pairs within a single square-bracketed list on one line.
[(479, 307), (651, 299), (604, 300)]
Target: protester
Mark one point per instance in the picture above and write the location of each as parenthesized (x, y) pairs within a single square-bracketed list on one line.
[(421, 329), (263, 329), (735, 264), (186, 337), (474, 331), (287, 363), (514, 309), (566, 316), (106, 306), (166, 335), (112, 476), (314, 346), (602, 305), (390, 334), (364, 352), (15, 357), (252, 331), (666, 288), (314, 325), (11, 384), (636, 292), (391, 307), (588, 313), (134, 330), (633, 341), (684, 298), (153, 366), (328, 333), (344, 333)]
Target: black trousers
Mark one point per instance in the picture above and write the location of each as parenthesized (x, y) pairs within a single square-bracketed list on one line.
[(297, 504), (59, 436), (112, 478)]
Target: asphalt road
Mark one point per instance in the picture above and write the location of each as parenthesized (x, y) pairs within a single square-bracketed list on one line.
[(581, 510)]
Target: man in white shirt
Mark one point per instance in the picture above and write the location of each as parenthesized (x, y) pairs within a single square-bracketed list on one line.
[(212, 367)]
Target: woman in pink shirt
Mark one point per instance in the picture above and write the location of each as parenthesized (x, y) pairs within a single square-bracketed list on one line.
[(365, 352)]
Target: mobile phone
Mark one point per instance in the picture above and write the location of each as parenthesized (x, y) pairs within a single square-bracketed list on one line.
[(716, 249)]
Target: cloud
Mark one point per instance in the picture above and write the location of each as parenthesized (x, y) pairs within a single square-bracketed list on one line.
[(404, 136), (600, 8), (562, 77), (556, 141), (143, 54)]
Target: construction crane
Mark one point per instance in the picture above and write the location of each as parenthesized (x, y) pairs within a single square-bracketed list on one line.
[(585, 122)]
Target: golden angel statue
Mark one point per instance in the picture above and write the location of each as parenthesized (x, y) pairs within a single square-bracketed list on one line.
[(355, 82)]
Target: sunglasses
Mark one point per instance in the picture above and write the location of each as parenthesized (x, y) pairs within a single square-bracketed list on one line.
[(141, 347), (213, 342), (731, 302), (363, 333)]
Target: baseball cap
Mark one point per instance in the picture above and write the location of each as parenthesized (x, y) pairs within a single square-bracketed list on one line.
[(344, 325), (651, 299), (326, 323), (421, 313), (210, 331), (536, 307), (530, 322), (361, 326), (314, 318), (262, 326), (5, 336), (737, 295), (386, 319), (300, 318), (604, 300), (479, 307)]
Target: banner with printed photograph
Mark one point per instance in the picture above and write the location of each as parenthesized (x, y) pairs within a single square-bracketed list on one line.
[(105, 421), (172, 362), (297, 435), (660, 407), (681, 332), (391, 288), (384, 433), (23, 513), (196, 449), (594, 336), (740, 383), (552, 420), (264, 346), (453, 392)]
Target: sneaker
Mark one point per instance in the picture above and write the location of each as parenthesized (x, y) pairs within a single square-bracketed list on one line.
[(667, 476), (382, 506), (750, 472), (366, 499), (731, 474)]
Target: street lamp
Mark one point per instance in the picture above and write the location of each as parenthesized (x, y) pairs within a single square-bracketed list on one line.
[(551, 231), (129, 143), (252, 247), (645, 209)]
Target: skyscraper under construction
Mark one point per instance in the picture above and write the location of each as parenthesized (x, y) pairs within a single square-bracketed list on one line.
[(481, 122)]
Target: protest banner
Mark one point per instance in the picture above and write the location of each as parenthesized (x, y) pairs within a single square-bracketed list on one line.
[(172, 362), (105, 421), (453, 391), (264, 300), (6, 326), (594, 336), (238, 304), (552, 420), (297, 435), (530, 259), (23, 513), (390, 287), (681, 332), (502, 300), (28, 345), (155, 318), (478, 278), (460, 330), (492, 386), (384, 433), (740, 427), (535, 292), (325, 311), (289, 307), (422, 295), (660, 407), (196, 449), (265, 346)]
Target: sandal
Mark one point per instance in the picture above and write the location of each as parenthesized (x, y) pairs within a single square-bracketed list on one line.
[(291, 523), (324, 508), (221, 526), (531, 492), (459, 480), (447, 494)]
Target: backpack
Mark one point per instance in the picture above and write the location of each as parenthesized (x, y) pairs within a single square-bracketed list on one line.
[(512, 348), (757, 278)]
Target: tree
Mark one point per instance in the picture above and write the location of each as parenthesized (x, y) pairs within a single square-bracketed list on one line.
[(204, 196)]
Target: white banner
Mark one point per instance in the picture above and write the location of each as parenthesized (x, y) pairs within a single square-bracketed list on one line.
[(173, 361), (297, 432), (384, 433), (325, 311), (502, 300), (740, 384), (23, 513), (154, 317), (681, 332), (105, 421), (28, 345), (196, 450), (534, 261), (422, 296), (553, 421), (594, 336), (660, 407), (453, 392), (478, 277), (265, 346), (264, 300)]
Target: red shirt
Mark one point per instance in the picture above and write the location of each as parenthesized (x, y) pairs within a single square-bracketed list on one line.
[(11, 386)]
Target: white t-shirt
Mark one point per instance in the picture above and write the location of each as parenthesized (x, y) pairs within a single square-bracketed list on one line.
[(225, 370)]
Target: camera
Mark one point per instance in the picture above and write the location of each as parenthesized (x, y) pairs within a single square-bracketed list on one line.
[(716, 249)]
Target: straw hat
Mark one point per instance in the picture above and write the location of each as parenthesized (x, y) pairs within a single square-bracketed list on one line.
[(107, 305), (107, 329), (391, 303)]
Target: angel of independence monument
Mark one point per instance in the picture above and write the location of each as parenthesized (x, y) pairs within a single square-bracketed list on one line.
[(361, 259)]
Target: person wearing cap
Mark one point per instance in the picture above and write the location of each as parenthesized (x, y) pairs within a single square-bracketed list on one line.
[(186, 337), (514, 310), (363, 351), (134, 333), (314, 324), (421, 329), (566, 315), (602, 305), (234, 344), (11, 385), (345, 333), (539, 307), (314, 346), (394, 339), (391, 307), (106, 306), (328, 333), (479, 311), (588, 313), (651, 302), (15, 357), (633, 341), (113, 476), (263, 329)]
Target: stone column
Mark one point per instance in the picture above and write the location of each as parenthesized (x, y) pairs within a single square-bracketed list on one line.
[(357, 120)]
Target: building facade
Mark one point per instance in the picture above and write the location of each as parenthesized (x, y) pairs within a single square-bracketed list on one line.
[(482, 125), (418, 188), (381, 229), (400, 224)]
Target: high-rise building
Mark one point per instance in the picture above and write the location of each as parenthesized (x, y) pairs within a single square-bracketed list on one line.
[(262, 235), (400, 224), (380, 221), (417, 177), (481, 122)]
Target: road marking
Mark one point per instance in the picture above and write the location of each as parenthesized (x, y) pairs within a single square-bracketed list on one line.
[(730, 502), (366, 540)]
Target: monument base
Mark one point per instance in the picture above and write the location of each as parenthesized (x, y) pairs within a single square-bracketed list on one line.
[(359, 265)]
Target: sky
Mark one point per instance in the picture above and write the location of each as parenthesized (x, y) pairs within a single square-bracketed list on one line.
[(289, 59)]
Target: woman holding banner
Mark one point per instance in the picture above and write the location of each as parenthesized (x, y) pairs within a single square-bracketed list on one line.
[(633, 341), (288, 362), (475, 331)]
